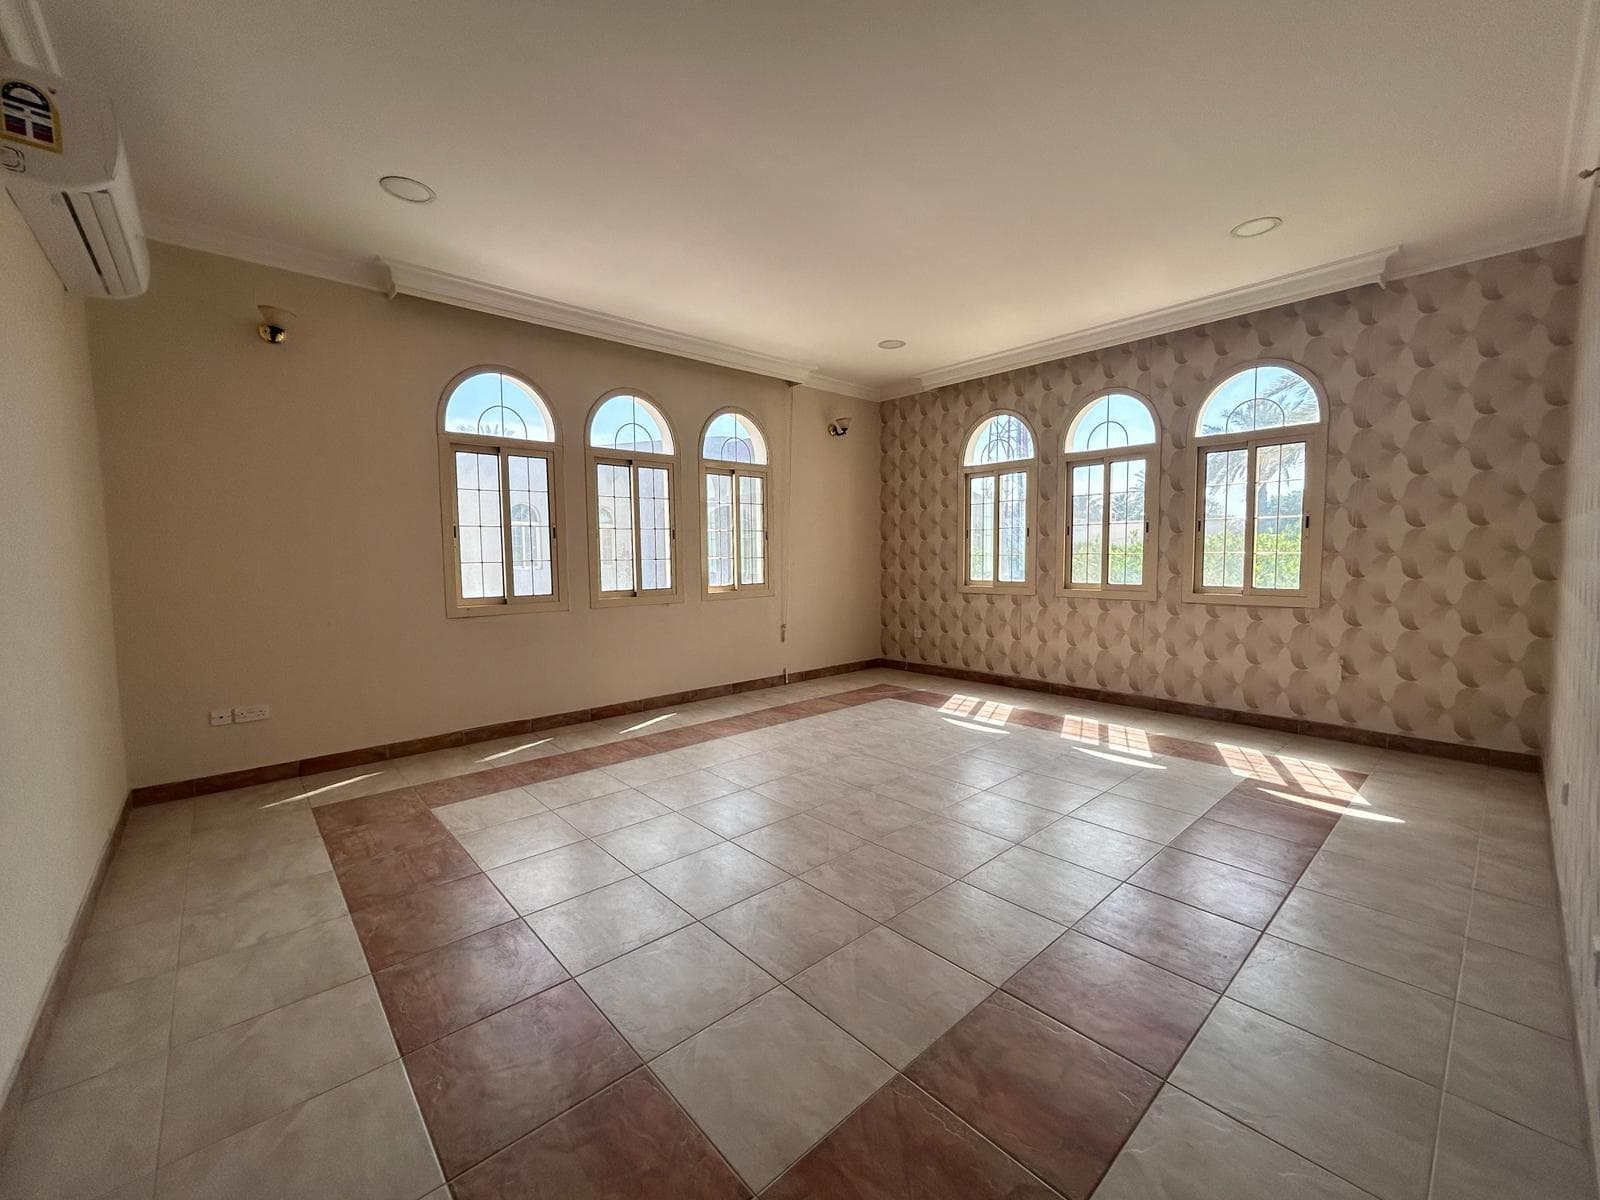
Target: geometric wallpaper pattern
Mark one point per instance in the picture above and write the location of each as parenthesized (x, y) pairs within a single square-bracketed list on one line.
[(1448, 430)]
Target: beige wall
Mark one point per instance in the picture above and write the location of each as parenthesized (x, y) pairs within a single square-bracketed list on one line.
[(62, 778), (1447, 437), (276, 538), (1573, 762)]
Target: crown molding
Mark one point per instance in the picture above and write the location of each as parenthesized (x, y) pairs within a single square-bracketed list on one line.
[(191, 235), (24, 37), (1282, 289), (1507, 240), (409, 279)]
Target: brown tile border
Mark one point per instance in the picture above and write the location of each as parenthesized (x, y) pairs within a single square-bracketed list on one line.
[(1481, 755), (183, 789)]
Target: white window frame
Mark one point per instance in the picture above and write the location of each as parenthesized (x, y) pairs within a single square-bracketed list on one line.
[(1151, 456), (457, 605), (594, 458), (1029, 467), (1315, 437), (736, 471)]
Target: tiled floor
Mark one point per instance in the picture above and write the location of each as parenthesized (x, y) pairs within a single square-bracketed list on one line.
[(854, 938)]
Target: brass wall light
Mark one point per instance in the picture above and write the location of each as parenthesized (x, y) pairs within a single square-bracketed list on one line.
[(274, 327), (839, 426)]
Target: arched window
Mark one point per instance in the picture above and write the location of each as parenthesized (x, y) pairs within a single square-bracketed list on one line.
[(997, 470), (733, 457), (1111, 466), (1260, 445), (631, 493), (498, 471)]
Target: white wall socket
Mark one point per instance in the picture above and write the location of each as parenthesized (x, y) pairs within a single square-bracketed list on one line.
[(251, 712), (222, 716)]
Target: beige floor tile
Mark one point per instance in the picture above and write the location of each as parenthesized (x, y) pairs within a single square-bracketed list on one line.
[(1530, 884), (947, 846), (1528, 990), (464, 816), (768, 1080), (86, 1139), (662, 993), (787, 928), (652, 768), (218, 883), (1512, 925), (806, 790), (1417, 954), (605, 813), (596, 927), (1399, 1025), (253, 835), (119, 908), (1186, 1150), (988, 936), (1135, 818), (143, 1188), (656, 841), (571, 789), (1483, 1156), (219, 991), (737, 812), (862, 770), (975, 770), (1517, 1072), (1096, 847), (216, 928), (221, 809), (1051, 887), (1041, 791), (522, 838), (1441, 905), (868, 815), (235, 1077), (876, 881), (95, 1034), (1001, 817), (364, 1140), (133, 866), (108, 960), (889, 993), (762, 767), (798, 843), (556, 875), (1364, 1122), (931, 793), (714, 878), (152, 823), (1192, 791), (691, 787)]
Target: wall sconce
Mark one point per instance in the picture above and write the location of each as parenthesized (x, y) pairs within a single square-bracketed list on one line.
[(839, 426), (274, 327)]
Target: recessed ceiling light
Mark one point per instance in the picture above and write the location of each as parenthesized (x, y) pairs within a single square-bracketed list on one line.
[(403, 187), (891, 344), (1256, 226)]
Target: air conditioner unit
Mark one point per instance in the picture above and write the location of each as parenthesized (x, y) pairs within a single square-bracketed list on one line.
[(61, 159)]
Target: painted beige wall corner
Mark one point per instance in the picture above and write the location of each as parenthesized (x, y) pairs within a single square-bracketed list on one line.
[(62, 775), (275, 529), (1573, 761)]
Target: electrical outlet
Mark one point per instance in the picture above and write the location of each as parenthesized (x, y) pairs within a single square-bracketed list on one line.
[(251, 712), (1565, 787), (222, 716)]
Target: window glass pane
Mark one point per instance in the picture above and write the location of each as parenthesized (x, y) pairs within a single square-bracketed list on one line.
[(1002, 438), (478, 544), (1222, 522), (528, 488), (1264, 397), (752, 530), (655, 530), (719, 529), (731, 438), (1125, 519), (490, 404), (980, 529), (1114, 420), (1087, 522), (1013, 527), (630, 423), (1280, 515), (614, 489)]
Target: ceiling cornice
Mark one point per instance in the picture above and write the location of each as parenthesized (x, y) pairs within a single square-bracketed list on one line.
[(340, 268), (409, 279), (24, 37), (1283, 289)]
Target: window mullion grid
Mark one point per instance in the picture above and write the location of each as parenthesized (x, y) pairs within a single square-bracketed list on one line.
[(994, 555), (1247, 583), (1105, 523), (638, 519), (503, 465)]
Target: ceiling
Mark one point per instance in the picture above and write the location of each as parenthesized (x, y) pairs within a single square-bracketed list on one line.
[(800, 180)]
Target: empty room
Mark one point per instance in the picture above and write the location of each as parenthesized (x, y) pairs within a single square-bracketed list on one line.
[(885, 601)]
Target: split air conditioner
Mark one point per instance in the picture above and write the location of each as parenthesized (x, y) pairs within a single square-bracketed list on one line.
[(61, 159)]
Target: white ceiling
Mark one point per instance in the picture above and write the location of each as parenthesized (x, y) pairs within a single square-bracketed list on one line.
[(802, 179)]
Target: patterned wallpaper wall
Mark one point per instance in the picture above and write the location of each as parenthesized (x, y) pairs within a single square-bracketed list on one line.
[(1448, 429)]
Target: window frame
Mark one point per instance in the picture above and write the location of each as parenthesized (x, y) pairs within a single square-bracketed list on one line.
[(1313, 544), (594, 457), (1151, 454), (457, 605), (1029, 467), (735, 471)]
